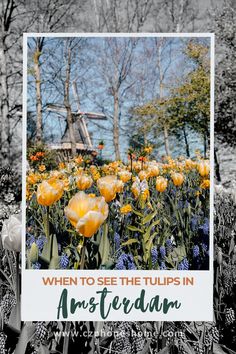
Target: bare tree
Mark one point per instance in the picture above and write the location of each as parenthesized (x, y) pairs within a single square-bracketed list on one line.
[(7, 9), (37, 53), (68, 48), (162, 72), (121, 16), (114, 68)]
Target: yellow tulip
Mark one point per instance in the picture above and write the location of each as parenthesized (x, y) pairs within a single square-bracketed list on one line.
[(119, 186), (145, 194), (86, 213), (84, 182), (32, 178), (177, 179), (143, 175), (108, 187), (42, 168), (136, 189), (126, 209), (161, 184), (66, 184), (125, 176), (204, 168), (189, 164), (153, 170), (205, 184), (50, 191)]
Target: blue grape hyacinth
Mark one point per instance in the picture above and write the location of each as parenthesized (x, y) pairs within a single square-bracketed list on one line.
[(163, 266), (196, 251), (162, 251), (184, 265), (36, 265), (169, 246), (205, 227), (64, 261), (40, 242), (120, 265), (125, 261), (154, 255), (117, 240)]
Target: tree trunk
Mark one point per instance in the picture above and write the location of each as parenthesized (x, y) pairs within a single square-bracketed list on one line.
[(39, 122), (161, 93), (5, 124), (217, 166), (116, 126), (68, 106), (186, 142), (166, 140)]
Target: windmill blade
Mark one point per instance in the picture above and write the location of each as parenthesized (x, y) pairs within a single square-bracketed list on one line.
[(55, 108), (93, 115)]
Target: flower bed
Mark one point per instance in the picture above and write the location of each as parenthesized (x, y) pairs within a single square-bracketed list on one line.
[(141, 215)]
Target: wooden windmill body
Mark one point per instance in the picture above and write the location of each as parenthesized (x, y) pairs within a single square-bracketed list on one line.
[(81, 133)]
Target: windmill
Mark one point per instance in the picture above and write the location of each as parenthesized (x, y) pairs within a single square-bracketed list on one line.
[(82, 137)]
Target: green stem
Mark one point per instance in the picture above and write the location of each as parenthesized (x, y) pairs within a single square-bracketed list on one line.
[(83, 255), (47, 222)]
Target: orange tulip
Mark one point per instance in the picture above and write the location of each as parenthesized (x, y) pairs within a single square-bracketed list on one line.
[(161, 184), (84, 182), (204, 168), (86, 213), (177, 179), (50, 191), (108, 187)]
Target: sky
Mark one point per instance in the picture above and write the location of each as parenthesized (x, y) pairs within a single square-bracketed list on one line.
[(92, 71)]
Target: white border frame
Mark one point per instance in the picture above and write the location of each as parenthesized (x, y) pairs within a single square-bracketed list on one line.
[(24, 137)]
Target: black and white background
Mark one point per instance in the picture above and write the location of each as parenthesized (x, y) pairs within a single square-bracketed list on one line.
[(216, 16)]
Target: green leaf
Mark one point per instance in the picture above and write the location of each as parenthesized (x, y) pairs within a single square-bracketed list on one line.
[(180, 251), (130, 242), (137, 213), (104, 247), (54, 263), (134, 228), (148, 247), (54, 247), (155, 223), (149, 217), (108, 265), (46, 253)]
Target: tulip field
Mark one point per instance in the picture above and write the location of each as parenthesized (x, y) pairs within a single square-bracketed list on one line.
[(143, 214)]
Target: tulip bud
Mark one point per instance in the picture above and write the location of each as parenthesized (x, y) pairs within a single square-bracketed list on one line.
[(34, 253), (11, 233), (177, 179), (204, 168), (161, 184)]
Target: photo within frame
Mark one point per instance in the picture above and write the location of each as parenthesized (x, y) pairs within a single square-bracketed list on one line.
[(118, 176)]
